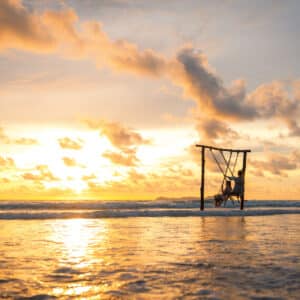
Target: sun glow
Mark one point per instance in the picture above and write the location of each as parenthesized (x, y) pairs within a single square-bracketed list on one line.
[(77, 235), (48, 170), (73, 169)]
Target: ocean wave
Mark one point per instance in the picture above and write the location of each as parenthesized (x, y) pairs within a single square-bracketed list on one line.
[(223, 212), (98, 205), (125, 209), (130, 204)]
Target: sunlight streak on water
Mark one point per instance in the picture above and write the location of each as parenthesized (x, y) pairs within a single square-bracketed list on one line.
[(77, 236)]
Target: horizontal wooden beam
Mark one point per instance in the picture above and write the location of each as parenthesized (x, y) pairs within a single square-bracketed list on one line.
[(222, 149)]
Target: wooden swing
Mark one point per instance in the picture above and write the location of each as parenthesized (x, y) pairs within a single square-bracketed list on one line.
[(225, 171)]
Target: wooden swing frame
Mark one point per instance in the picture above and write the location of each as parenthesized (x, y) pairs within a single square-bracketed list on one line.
[(203, 148)]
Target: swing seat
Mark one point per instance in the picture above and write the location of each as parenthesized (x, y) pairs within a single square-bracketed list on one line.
[(237, 195), (219, 199)]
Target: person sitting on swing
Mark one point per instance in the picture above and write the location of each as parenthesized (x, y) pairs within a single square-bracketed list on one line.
[(226, 194), (227, 190), (238, 184)]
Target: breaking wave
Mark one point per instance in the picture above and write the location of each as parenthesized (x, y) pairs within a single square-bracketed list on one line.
[(124, 209)]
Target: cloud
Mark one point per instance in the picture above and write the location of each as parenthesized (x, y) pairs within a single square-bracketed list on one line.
[(276, 164), (127, 158), (218, 105), (21, 29), (118, 135), (71, 162), (294, 127), (67, 143), (61, 32), (213, 130), (88, 177), (125, 140), (135, 176), (7, 163), (70, 37), (272, 100), (4, 180), (25, 141), (42, 173), (202, 84), (4, 138)]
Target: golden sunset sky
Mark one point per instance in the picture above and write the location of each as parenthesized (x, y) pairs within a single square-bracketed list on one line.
[(106, 99)]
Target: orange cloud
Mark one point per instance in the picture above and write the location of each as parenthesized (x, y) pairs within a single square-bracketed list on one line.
[(119, 135), (4, 180), (7, 162), (68, 143), (71, 162), (276, 164), (88, 177), (21, 29), (42, 174), (124, 139), (128, 158)]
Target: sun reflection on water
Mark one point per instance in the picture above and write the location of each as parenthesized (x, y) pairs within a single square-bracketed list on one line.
[(78, 238)]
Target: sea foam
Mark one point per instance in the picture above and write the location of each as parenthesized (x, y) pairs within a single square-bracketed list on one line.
[(125, 209)]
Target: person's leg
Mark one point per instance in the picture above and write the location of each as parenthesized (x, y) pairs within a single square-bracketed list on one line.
[(225, 198), (231, 198)]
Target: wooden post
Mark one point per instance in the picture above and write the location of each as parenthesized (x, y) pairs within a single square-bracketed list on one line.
[(202, 179), (244, 174)]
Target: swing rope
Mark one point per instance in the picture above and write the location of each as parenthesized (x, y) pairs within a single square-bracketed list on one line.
[(227, 168), (217, 162), (227, 163), (236, 158)]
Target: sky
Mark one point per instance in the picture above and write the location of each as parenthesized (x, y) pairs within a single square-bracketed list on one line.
[(107, 99)]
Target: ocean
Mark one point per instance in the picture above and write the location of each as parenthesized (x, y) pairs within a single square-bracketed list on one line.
[(149, 250)]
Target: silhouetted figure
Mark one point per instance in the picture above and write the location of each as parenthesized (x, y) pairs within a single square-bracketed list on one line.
[(238, 184), (226, 194), (227, 191)]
